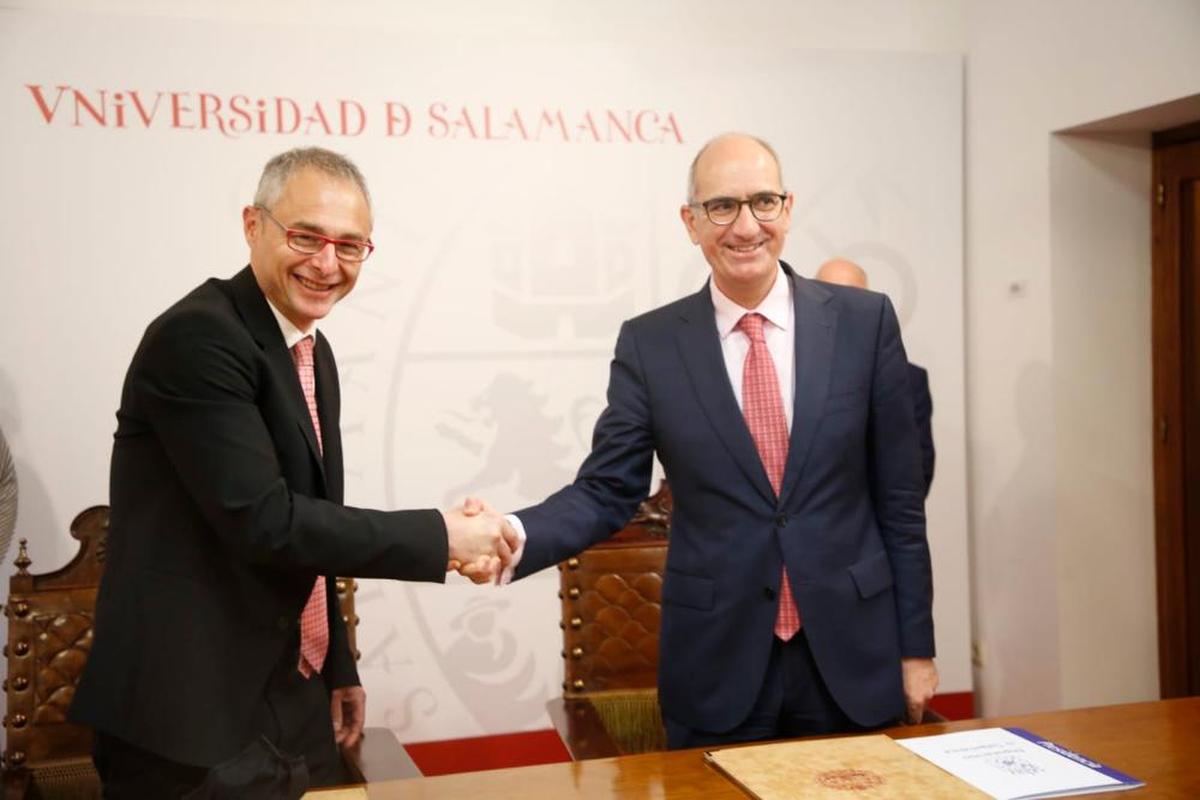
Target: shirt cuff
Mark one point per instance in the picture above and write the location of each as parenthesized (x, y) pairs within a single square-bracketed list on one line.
[(506, 575)]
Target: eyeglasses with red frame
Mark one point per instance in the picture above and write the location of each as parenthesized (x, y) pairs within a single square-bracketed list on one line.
[(310, 243)]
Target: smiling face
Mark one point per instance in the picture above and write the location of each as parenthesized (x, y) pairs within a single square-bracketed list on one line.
[(743, 255), (305, 287)]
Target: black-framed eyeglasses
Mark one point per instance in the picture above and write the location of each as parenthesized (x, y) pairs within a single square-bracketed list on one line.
[(765, 206), (310, 243)]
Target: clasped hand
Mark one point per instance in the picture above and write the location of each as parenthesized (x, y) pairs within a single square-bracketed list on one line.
[(482, 541)]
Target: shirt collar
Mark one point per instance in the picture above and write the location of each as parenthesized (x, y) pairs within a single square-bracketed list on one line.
[(291, 334), (776, 306)]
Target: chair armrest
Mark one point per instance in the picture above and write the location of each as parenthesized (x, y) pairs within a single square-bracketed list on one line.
[(378, 756), (581, 729)]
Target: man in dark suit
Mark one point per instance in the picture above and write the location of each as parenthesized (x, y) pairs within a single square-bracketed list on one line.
[(797, 592), (846, 273), (219, 649)]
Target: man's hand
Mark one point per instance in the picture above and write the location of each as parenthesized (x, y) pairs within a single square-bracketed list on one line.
[(920, 682), (478, 572), (348, 707), (479, 541)]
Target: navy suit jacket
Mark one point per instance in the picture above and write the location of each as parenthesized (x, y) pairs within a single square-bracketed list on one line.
[(224, 512), (849, 522)]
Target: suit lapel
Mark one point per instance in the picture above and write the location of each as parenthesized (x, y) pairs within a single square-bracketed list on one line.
[(816, 326), (329, 411), (700, 350), (252, 305)]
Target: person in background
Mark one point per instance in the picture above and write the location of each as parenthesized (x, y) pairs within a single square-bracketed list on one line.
[(847, 273)]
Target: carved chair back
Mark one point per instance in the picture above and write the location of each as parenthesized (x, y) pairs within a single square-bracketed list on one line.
[(611, 597)]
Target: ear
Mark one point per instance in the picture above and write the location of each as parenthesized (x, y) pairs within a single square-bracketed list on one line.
[(689, 221), (251, 227)]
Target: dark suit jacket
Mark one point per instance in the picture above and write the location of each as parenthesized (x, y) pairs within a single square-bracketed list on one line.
[(849, 524), (918, 384), (223, 514)]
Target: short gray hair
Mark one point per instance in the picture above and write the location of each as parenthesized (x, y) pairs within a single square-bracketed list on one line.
[(282, 167), (691, 184)]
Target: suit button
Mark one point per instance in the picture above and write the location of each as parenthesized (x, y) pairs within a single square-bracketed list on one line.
[(781, 521), (768, 593), (282, 623)]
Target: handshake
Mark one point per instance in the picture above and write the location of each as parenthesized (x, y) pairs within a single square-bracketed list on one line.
[(482, 542)]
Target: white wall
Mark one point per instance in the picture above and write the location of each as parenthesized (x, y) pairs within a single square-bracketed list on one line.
[(1100, 276), (1058, 371)]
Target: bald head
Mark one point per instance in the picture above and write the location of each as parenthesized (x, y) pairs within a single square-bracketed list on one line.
[(731, 146), (842, 272)]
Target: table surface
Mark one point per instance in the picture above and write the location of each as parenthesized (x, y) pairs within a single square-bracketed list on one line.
[(1156, 742)]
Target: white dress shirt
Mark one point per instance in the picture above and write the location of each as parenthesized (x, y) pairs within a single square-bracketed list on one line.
[(291, 334), (779, 332)]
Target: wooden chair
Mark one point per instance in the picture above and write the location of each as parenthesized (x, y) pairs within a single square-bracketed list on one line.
[(49, 637), (611, 606)]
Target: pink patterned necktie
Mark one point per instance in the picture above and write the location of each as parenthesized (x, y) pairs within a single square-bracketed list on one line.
[(314, 619), (762, 405)]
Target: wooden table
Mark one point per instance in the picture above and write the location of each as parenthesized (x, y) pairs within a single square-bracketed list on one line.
[(1157, 742)]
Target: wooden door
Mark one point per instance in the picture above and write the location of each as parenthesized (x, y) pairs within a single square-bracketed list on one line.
[(1176, 334)]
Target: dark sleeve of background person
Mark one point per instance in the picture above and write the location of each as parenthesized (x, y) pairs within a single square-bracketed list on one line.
[(918, 381)]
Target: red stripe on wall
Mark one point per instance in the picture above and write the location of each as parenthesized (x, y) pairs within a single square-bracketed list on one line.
[(545, 747), (488, 752)]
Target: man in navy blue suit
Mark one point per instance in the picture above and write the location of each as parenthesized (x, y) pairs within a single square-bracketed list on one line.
[(846, 273), (797, 592)]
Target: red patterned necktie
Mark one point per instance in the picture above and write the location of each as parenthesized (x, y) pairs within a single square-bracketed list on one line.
[(762, 405), (314, 619)]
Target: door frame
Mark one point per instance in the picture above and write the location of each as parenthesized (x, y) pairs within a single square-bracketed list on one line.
[(1177, 585)]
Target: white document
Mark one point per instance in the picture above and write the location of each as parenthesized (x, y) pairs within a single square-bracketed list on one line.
[(1013, 764)]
